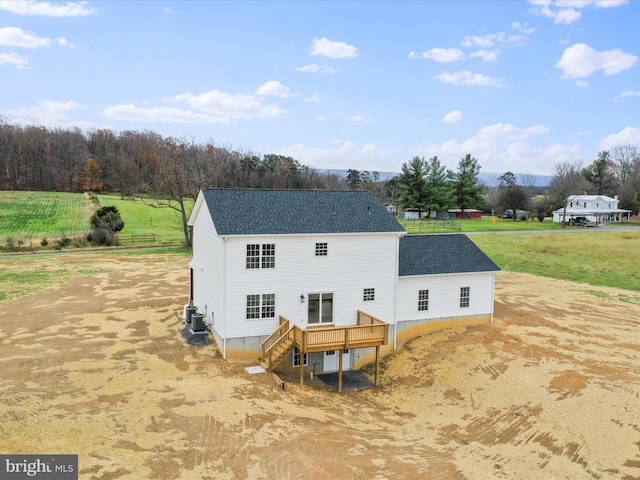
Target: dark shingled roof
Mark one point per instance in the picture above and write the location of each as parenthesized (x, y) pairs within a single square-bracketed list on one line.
[(438, 254), (275, 212)]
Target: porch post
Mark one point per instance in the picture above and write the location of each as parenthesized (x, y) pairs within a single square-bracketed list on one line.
[(377, 363), (301, 366), (340, 372)]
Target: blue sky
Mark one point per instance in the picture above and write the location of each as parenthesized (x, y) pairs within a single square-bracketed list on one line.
[(520, 85)]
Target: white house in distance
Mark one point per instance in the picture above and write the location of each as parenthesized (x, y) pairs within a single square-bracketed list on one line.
[(325, 278), (595, 208)]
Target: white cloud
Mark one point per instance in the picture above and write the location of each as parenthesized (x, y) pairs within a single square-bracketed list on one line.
[(468, 78), (13, 59), (504, 147), (16, 37), (627, 94), (321, 119), (345, 154), (582, 83), (315, 68), (626, 136), (328, 48), (313, 98), (33, 7), (524, 29), (484, 41), (566, 16), (453, 117), (49, 113), (273, 88), (226, 105), (580, 61), (444, 55), (568, 11), (167, 10), (486, 55), (131, 113)]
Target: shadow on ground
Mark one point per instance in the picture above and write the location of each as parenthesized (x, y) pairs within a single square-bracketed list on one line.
[(351, 380)]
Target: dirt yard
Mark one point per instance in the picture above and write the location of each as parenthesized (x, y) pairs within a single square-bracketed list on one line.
[(98, 367)]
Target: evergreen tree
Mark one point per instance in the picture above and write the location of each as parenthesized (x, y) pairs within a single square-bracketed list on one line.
[(105, 223), (467, 192)]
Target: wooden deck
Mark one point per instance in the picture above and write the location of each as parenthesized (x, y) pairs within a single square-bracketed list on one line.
[(368, 332)]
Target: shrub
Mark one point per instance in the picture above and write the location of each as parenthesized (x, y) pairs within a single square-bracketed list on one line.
[(44, 242)]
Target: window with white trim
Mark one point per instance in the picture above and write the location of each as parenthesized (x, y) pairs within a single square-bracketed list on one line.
[(369, 294), (423, 300), (465, 294), (322, 249), (261, 306), (296, 358), (261, 256)]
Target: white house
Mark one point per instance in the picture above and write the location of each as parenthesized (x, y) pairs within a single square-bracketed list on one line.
[(325, 278), (594, 208)]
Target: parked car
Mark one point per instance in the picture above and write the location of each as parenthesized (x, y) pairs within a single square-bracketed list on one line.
[(582, 222)]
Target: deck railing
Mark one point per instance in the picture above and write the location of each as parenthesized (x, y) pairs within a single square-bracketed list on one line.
[(369, 332)]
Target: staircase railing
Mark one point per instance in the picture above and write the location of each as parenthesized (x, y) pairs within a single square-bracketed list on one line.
[(273, 338), (279, 349)]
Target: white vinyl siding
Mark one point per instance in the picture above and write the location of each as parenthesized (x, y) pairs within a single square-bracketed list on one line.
[(345, 273), (444, 296), (207, 265)]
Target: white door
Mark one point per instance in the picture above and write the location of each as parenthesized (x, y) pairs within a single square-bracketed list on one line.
[(331, 361)]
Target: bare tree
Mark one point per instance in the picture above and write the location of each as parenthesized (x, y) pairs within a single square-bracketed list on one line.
[(567, 182), (626, 164)]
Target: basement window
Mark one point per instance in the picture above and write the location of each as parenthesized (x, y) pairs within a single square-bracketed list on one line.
[(369, 294), (296, 358)]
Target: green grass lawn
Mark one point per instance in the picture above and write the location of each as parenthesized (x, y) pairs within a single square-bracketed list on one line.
[(484, 224), (30, 216), (141, 219), (596, 258)]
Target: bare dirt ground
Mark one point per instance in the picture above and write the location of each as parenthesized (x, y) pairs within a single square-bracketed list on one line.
[(98, 367)]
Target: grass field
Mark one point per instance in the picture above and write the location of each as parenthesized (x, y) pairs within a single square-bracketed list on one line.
[(141, 219), (28, 217), (484, 224), (596, 258)]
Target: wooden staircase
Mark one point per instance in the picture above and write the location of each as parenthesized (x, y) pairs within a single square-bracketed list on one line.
[(277, 346)]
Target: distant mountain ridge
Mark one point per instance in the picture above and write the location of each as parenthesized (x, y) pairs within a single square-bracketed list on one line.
[(488, 179)]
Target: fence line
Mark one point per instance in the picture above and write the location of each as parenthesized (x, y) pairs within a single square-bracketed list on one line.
[(424, 225)]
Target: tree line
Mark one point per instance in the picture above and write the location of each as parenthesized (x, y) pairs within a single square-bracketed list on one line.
[(133, 162)]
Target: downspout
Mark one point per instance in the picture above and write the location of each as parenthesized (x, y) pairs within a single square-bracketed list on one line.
[(395, 294), (224, 297)]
